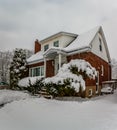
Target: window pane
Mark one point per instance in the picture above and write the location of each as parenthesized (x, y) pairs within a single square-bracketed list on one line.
[(38, 71), (34, 72), (46, 47), (56, 43), (100, 46)]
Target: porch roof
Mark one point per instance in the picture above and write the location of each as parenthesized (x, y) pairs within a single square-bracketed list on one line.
[(52, 52)]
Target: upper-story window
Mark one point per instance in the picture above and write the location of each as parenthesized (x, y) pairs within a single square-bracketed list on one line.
[(100, 45), (56, 44), (46, 47)]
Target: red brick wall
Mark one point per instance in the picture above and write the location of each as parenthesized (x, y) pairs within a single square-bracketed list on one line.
[(49, 67), (96, 62), (35, 65)]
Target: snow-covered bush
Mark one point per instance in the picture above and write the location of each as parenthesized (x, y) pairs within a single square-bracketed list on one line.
[(32, 84), (75, 73), (59, 89), (25, 82)]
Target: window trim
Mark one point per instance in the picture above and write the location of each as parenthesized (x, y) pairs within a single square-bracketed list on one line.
[(31, 71), (100, 45), (55, 43), (47, 45), (90, 92)]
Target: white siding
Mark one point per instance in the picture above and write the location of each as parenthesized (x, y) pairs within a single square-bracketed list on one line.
[(66, 40), (96, 50), (64, 60), (63, 42)]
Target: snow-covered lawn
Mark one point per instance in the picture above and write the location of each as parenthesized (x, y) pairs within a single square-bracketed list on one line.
[(99, 113), (7, 96)]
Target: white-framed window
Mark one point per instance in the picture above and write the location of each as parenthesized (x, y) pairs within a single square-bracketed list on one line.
[(46, 47), (102, 70), (56, 44), (37, 71), (100, 45), (90, 92)]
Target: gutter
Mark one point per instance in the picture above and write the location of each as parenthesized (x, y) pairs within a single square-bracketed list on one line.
[(79, 50)]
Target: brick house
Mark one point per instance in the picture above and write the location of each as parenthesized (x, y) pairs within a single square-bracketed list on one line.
[(52, 52)]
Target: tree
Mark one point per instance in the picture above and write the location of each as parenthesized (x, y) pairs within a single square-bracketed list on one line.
[(18, 69), (5, 60)]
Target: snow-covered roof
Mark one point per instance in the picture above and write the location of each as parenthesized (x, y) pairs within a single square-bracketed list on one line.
[(54, 49), (35, 57), (83, 40), (82, 43), (57, 35)]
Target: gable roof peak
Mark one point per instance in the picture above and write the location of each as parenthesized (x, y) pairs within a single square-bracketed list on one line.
[(59, 34), (83, 39)]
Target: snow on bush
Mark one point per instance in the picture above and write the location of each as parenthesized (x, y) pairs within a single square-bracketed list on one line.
[(25, 82), (76, 80)]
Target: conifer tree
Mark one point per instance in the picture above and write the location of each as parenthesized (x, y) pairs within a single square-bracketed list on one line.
[(18, 68)]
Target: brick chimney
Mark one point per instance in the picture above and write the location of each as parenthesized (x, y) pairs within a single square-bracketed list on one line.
[(37, 46)]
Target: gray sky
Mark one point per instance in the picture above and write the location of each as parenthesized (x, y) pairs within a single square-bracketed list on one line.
[(23, 21)]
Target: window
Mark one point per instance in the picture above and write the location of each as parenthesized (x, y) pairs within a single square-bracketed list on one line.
[(46, 47), (37, 71), (90, 92), (56, 43), (102, 70), (100, 46)]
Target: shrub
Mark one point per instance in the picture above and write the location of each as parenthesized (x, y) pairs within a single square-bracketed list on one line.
[(60, 90), (70, 80), (36, 87)]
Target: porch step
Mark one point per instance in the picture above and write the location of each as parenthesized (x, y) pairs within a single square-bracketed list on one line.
[(44, 94)]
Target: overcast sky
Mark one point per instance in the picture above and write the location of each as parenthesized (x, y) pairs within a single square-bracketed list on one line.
[(23, 21)]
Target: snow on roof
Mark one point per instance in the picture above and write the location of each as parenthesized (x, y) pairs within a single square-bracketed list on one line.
[(36, 57), (57, 35), (54, 49), (83, 40)]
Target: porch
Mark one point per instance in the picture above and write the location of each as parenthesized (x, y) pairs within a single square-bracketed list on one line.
[(57, 56)]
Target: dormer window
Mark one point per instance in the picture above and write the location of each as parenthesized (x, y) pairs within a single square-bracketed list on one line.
[(100, 45), (46, 47), (56, 44)]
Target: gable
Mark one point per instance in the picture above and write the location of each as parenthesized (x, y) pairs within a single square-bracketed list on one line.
[(62, 40), (83, 40), (90, 41), (99, 47)]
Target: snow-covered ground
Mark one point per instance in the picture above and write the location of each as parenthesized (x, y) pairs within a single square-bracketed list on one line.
[(99, 113), (7, 96)]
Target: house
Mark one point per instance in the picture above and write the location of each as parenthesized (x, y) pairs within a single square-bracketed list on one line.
[(52, 52)]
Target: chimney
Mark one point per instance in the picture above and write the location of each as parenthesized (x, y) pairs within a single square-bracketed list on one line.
[(37, 46)]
